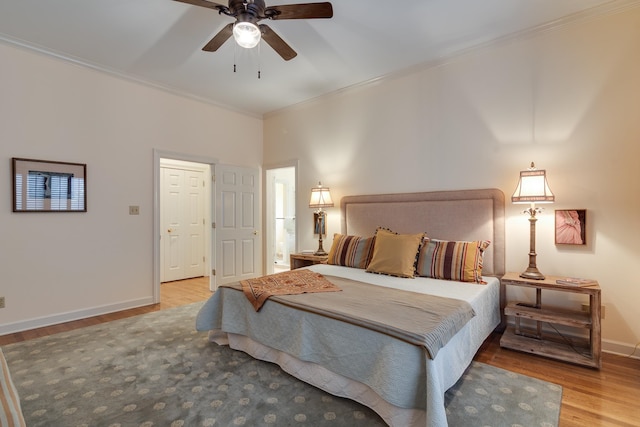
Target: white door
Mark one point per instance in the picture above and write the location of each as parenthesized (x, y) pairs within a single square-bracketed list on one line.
[(182, 220), (236, 224)]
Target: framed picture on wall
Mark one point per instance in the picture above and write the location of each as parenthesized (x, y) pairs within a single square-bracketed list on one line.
[(48, 186), (571, 226)]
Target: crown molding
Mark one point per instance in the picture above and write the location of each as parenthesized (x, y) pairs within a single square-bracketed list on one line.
[(610, 8), (32, 47)]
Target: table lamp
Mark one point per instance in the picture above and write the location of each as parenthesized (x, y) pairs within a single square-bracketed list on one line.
[(320, 198), (532, 188)]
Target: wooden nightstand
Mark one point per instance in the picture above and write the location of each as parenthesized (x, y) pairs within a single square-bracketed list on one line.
[(533, 340), (304, 260)]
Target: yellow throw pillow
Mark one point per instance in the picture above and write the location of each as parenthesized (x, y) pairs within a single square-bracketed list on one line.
[(395, 254)]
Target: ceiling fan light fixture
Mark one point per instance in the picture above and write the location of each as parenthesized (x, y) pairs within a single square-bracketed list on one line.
[(246, 34)]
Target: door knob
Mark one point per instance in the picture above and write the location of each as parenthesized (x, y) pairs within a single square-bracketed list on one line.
[(255, 232)]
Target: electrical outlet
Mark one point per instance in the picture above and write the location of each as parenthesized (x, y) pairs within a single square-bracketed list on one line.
[(585, 307), (134, 210), (1, 302)]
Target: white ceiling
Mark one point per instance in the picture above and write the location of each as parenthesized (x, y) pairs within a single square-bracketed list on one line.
[(159, 41)]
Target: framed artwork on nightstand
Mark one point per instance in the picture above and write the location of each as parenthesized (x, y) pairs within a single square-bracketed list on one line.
[(319, 223), (571, 227)]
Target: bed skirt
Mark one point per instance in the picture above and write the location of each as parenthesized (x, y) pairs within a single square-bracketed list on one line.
[(324, 379)]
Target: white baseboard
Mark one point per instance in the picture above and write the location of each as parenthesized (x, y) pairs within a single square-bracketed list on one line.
[(55, 319), (621, 349)]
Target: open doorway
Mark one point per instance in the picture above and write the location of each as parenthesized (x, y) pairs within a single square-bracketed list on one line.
[(184, 210), (207, 164), (280, 217)]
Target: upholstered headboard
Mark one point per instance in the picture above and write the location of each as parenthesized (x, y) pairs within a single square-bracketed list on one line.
[(445, 215)]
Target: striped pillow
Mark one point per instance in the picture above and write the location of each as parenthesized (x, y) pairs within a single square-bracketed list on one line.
[(461, 261), (10, 412), (351, 251)]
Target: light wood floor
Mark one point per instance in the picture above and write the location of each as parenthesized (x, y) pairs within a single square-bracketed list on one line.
[(606, 397), (172, 294)]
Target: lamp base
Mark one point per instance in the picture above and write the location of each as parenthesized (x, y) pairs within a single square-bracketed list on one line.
[(319, 229), (532, 273), (320, 251)]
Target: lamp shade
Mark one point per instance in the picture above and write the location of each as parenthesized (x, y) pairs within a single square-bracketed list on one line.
[(246, 34), (320, 197), (533, 187)]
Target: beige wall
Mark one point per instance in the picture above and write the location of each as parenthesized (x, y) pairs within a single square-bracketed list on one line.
[(568, 99), (57, 266)]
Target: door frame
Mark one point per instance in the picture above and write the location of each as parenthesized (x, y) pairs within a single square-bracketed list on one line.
[(162, 154), (292, 163)]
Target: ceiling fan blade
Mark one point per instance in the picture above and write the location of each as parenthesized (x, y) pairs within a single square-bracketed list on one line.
[(280, 46), (205, 3), (300, 11), (219, 39)]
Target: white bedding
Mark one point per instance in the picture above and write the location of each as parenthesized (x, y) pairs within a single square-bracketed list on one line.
[(441, 372)]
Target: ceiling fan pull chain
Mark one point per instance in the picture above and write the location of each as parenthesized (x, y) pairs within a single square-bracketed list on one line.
[(259, 63), (235, 48)]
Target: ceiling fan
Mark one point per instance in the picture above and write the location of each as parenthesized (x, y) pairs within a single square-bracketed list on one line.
[(246, 30)]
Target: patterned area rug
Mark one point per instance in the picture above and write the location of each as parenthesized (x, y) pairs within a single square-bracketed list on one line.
[(156, 370)]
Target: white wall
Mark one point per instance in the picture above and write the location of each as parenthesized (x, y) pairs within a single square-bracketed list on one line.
[(56, 266), (567, 99)]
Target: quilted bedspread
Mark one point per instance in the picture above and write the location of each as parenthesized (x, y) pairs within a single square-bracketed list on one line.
[(419, 319)]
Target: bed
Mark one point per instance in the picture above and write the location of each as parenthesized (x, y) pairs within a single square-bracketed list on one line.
[(402, 381)]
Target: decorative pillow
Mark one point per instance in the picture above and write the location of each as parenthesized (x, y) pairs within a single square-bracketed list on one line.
[(460, 261), (9, 400), (395, 254), (351, 251)]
